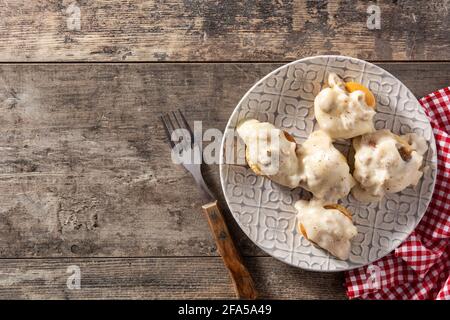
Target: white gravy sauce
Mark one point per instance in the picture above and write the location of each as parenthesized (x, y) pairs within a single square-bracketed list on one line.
[(330, 229), (383, 166), (325, 172), (316, 165), (341, 114), (274, 155)]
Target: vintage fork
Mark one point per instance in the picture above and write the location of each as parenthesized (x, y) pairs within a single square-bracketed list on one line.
[(242, 281)]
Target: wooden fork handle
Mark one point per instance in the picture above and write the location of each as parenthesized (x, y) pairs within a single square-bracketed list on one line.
[(242, 281)]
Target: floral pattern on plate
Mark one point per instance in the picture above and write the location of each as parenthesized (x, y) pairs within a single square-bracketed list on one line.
[(265, 211)]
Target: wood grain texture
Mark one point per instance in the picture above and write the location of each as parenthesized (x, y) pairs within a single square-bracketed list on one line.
[(159, 278), (193, 30), (85, 168), (86, 177)]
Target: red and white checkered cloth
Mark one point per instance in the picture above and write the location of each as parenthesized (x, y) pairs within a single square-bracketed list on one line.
[(420, 267)]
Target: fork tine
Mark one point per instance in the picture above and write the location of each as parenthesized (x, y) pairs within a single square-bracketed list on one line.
[(182, 125), (168, 127), (186, 123)]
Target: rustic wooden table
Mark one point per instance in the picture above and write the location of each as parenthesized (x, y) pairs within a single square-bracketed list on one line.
[(85, 171)]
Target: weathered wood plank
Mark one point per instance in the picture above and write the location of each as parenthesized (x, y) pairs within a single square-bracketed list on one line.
[(191, 30), (159, 278), (85, 168)]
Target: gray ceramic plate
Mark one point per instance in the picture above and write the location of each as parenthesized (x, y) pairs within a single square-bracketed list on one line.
[(264, 210)]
